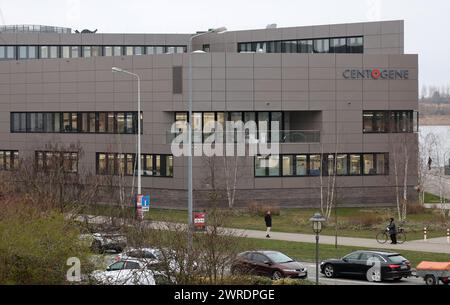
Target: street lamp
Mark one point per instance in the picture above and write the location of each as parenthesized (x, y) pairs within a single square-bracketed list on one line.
[(190, 131), (139, 191), (317, 220)]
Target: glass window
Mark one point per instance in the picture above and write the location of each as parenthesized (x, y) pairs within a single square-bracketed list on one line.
[(130, 165), (150, 50), (138, 50), (380, 121), (118, 51), (102, 122), (148, 167), (368, 118), (111, 164), (101, 164), (7, 160), (159, 50), (44, 52), (2, 52), (321, 46), (48, 120), (260, 166), (382, 164), (197, 127), (120, 122), (315, 165), (92, 128), (53, 52), (158, 166), (108, 51), (369, 165), (74, 162), (10, 52), (330, 165), (342, 165), (288, 165), (75, 52), (121, 165), (128, 51), (355, 165), (74, 122), (87, 51), (180, 50), (274, 166), (23, 54), (306, 46), (32, 52), (85, 122), (111, 121), (96, 51), (130, 118), (2, 160), (289, 46), (170, 50), (338, 45), (57, 122), (261, 47), (65, 52), (355, 45), (302, 165), (169, 166)]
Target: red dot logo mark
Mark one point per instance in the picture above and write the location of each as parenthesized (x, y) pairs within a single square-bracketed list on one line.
[(376, 74)]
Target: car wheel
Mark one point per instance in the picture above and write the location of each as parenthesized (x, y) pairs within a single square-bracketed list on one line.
[(430, 280), (329, 271), (375, 276), (277, 275)]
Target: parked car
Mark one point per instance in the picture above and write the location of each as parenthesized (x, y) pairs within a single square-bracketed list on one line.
[(393, 266), (129, 272), (102, 242), (153, 258), (275, 265)]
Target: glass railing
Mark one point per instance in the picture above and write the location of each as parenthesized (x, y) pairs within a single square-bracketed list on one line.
[(285, 137)]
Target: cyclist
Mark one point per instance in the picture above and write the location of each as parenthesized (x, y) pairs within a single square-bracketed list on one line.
[(392, 231)]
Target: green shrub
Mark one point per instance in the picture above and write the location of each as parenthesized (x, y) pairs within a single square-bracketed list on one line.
[(415, 209)]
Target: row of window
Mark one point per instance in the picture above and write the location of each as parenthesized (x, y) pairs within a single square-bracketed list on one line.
[(125, 165), (45, 52), (52, 160), (107, 163), (323, 45), (390, 121), (9, 160), (75, 122), (314, 165), (202, 119)]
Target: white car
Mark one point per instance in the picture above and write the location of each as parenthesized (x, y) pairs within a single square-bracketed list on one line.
[(128, 272), (151, 258)]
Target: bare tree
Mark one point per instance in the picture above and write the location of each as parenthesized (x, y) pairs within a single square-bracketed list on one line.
[(401, 170)]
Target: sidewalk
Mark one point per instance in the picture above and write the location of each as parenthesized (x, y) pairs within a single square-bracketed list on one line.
[(437, 245)]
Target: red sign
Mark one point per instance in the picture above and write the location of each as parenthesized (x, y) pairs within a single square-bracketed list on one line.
[(200, 221)]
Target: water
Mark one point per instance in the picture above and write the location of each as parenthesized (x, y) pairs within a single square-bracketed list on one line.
[(435, 140)]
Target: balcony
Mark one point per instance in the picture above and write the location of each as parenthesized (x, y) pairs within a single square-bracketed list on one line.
[(285, 137)]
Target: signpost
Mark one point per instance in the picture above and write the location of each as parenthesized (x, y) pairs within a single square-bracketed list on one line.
[(142, 205)]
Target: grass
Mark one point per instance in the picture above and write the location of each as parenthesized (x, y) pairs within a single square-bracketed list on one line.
[(306, 252), (431, 198), (353, 222)]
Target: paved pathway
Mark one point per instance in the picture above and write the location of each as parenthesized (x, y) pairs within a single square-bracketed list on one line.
[(438, 245)]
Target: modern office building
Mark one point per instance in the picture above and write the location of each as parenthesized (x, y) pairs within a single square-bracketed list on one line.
[(345, 95)]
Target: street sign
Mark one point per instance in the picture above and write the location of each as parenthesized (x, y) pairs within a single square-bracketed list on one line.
[(200, 221), (146, 203)]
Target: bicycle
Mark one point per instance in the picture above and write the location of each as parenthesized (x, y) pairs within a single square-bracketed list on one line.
[(384, 236)]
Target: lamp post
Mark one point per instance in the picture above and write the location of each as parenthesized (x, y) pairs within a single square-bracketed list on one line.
[(190, 131), (139, 191), (317, 221)]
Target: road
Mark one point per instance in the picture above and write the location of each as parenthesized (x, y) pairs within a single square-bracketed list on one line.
[(355, 282)]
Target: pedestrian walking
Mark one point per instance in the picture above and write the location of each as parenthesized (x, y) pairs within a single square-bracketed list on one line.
[(393, 232), (430, 162), (268, 220)]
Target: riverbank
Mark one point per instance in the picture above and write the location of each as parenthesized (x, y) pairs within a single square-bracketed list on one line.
[(435, 120)]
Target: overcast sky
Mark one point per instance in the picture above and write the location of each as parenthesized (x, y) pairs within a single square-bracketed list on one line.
[(427, 22)]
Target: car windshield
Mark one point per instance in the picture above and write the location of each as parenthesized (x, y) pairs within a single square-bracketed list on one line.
[(397, 259), (279, 258)]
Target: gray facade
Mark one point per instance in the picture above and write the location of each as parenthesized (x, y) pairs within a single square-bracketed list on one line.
[(315, 93)]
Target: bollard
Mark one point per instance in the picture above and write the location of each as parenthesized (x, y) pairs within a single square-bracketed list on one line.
[(448, 236), (425, 234)]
